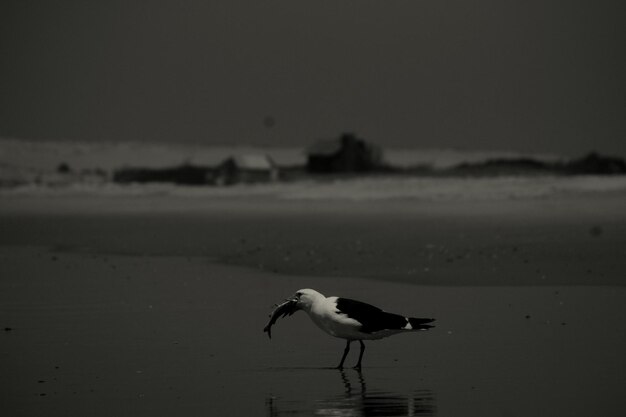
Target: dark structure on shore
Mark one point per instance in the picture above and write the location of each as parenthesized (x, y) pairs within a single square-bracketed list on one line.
[(591, 164), (348, 154), (597, 164), (246, 169), (184, 174)]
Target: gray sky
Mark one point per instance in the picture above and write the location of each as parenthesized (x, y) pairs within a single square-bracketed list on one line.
[(533, 76)]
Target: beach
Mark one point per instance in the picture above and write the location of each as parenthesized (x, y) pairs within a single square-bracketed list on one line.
[(173, 173), (154, 303)]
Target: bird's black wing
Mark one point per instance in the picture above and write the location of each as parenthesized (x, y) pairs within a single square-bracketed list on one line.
[(372, 318)]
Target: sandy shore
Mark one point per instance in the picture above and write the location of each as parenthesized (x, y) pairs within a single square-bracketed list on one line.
[(574, 239), (146, 306)]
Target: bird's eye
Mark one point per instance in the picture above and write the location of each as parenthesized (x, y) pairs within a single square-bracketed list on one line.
[(298, 294)]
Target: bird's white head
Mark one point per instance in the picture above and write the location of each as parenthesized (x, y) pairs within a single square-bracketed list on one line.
[(306, 297)]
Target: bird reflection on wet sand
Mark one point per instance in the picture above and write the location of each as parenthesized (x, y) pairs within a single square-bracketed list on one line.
[(356, 400)]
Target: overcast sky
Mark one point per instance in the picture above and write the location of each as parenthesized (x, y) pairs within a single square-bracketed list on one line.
[(532, 76)]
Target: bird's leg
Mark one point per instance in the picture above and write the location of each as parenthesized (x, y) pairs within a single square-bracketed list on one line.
[(346, 382), (345, 353), (358, 364)]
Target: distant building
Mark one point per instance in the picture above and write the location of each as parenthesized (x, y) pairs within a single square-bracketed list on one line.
[(346, 154), (246, 169)]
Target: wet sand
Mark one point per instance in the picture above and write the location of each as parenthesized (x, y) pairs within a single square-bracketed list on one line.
[(148, 307)]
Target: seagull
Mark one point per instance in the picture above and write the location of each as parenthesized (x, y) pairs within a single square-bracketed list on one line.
[(346, 319)]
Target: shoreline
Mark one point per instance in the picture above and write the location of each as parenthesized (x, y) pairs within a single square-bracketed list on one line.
[(562, 240), (155, 305)]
